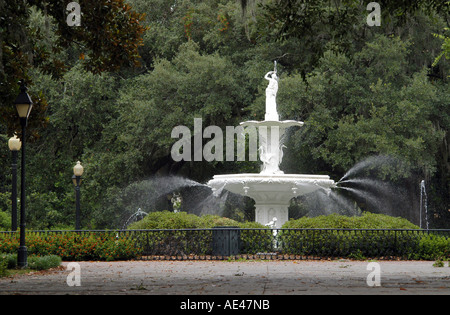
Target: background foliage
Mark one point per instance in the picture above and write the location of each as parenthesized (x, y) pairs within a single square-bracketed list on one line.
[(109, 93)]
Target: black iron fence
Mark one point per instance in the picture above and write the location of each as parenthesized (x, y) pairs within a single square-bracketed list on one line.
[(226, 242)]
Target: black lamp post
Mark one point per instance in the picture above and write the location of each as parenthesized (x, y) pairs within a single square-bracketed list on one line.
[(14, 146), (76, 179), (23, 105)]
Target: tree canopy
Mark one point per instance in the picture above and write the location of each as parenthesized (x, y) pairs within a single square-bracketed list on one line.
[(35, 34), (109, 92)]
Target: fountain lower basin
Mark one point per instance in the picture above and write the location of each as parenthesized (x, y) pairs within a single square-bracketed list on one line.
[(272, 193)]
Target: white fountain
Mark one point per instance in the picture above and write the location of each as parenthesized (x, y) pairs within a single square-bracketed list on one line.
[(271, 189)]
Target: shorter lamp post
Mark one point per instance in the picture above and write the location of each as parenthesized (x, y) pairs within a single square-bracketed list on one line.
[(76, 179), (14, 146)]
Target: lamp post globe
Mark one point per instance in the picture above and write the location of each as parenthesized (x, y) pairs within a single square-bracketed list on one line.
[(14, 144), (78, 169), (76, 178)]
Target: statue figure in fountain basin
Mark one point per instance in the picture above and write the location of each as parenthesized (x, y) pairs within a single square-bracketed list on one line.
[(271, 189), (271, 96)]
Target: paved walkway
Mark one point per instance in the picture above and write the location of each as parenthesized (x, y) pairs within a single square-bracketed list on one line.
[(235, 278)]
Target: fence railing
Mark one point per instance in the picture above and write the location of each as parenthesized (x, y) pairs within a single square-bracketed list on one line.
[(222, 243)]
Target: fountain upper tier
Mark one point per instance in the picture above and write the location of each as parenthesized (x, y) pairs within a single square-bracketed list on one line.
[(271, 189), (272, 193)]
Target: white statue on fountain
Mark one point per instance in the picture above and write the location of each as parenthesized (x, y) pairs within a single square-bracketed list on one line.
[(271, 96), (271, 149)]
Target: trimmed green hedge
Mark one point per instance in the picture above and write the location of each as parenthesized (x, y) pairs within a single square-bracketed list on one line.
[(382, 241), (335, 221), (431, 247), (183, 220), (361, 244)]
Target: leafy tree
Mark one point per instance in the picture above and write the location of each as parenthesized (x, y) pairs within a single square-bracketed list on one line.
[(292, 18), (445, 48), (339, 26), (366, 106), (36, 42), (352, 110), (174, 93), (81, 106), (109, 37)]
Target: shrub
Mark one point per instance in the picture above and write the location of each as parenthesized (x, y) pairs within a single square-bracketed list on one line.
[(167, 220), (381, 221), (44, 262), (361, 243), (210, 221), (5, 221), (183, 220), (9, 261), (438, 263), (415, 245), (431, 247), (366, 221)]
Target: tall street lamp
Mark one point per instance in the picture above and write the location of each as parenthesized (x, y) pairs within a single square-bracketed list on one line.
[(23, 105), (76, 178), (14, 146)]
